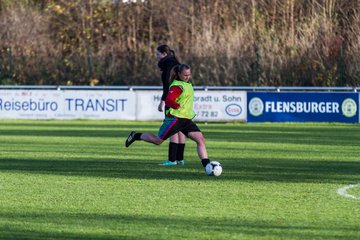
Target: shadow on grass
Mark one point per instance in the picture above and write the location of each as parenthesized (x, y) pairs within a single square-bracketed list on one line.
[(249, 169), (117, 226), (284, 170), (345, 135), (77, 129), (94, 133), (16, 232)]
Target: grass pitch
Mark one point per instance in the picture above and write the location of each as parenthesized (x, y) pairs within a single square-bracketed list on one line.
[(76, 180)]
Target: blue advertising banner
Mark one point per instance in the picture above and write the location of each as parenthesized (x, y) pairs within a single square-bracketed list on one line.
[(302, 107)]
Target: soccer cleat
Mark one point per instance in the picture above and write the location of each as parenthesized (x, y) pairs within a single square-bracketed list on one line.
[(168, 163), (181, 163), (130, 139)]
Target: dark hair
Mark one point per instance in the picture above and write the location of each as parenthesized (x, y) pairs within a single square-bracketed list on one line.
[(176, 70), (165, 49)]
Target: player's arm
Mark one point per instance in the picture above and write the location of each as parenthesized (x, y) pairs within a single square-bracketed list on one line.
[(173, 94), (165, 84)]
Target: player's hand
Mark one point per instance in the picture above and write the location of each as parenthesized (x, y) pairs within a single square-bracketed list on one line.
[(161, 106)]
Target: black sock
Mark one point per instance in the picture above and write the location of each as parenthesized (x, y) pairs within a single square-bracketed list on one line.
[(137, 136), (180, 151), (172, 151), (205, 161)]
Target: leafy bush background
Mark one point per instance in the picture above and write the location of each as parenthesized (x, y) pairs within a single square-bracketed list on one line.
[(227, 42)]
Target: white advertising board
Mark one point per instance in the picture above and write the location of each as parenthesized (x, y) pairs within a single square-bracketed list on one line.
[(208, 105), (54, 104), (30, 104), (147, 105), (115, 104), (99, 104), (220, 105)]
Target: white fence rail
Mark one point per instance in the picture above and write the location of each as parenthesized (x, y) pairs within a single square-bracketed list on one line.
[(205, 88)]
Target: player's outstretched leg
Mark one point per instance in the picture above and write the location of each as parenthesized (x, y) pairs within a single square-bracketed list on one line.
[(131, 138), (147, 137)]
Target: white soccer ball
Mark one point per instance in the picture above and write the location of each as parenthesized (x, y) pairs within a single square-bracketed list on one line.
[(213, 169)]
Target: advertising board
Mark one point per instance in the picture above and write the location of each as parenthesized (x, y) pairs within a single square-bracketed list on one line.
[(303, 107)]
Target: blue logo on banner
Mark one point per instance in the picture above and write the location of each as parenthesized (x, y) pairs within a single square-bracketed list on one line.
[(302, 107)]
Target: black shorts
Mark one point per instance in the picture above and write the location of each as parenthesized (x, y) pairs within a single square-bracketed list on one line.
[(172, 125)]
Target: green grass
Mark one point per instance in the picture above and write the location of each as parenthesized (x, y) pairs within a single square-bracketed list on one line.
[(76, 180)]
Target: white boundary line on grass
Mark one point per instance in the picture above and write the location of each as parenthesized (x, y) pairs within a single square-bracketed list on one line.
[(343, 191)]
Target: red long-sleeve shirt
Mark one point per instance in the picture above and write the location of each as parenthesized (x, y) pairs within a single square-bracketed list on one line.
[(173, 94)]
